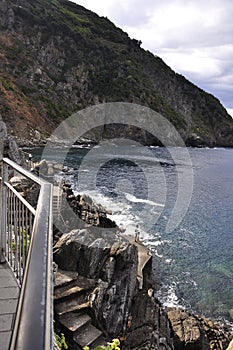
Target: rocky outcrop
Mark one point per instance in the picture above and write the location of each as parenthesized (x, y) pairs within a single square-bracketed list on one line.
[(121, 309), (195, 332), (77, 211)]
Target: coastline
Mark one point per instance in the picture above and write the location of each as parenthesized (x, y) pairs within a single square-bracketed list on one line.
[(118, 218)]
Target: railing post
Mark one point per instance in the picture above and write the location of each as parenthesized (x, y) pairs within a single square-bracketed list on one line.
[(3, 204)]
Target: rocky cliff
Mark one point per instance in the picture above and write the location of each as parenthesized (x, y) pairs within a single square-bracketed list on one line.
[(58, 58)]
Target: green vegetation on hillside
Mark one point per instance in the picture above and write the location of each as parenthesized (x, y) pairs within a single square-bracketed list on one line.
[(60, 58)]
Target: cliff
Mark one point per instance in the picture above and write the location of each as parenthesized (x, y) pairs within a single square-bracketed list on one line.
[(58, 58)]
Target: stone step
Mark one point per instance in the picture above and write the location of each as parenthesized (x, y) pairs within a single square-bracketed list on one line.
[(74, 321), (63, 278), (87, 335), (98, 342), (79, 284), (75, 304), (67, 291)]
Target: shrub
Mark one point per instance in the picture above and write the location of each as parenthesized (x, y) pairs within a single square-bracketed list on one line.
[(113, 345)]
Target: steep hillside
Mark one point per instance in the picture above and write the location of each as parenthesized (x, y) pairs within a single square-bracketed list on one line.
[(57, 57)]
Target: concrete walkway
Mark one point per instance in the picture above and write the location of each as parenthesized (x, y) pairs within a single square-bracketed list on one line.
[(9, 291), (144, 256)]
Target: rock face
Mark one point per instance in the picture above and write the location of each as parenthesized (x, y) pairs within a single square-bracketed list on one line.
[(195, 332), (8, 146), (58, 58), (148, 327), (121, 309), (85, 208)]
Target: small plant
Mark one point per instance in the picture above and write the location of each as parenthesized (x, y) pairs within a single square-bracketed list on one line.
[(61, 341), (24, 242), (115, 344)]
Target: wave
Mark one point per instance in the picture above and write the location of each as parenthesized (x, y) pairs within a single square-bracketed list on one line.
[(167, 295), (133, 199)]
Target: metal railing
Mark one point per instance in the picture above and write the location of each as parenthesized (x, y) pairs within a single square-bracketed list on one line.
[(26, 244)]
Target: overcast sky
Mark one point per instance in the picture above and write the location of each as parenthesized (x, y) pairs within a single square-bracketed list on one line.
[(195, 38)]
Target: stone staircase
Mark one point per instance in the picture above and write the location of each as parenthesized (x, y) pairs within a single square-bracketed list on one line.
[(72, 308), (57, 197)]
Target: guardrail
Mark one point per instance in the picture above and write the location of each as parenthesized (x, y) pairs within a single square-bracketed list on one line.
[(26, 244)]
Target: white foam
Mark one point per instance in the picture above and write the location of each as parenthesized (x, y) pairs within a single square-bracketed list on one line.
[(167, 295), (131, 198)]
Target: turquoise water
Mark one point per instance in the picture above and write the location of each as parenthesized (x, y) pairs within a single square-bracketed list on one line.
[(195, 260)]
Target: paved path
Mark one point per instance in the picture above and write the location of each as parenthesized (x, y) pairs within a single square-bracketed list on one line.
[(144, 256), (9, 292)]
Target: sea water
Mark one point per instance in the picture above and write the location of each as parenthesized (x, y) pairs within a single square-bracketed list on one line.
[(194, 261)]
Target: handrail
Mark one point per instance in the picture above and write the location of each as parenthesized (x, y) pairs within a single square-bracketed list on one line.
[(24, 172), (33, 326), (18, 195)]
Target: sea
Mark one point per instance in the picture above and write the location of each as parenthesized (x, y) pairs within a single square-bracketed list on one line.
[(180, 200)]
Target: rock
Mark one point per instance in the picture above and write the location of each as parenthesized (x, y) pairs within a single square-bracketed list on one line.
[(85, 208), (120, 308), (20, 183), (194, 332), (8, 145), (41, 168), (196, 141), (230, 346), (92, 256), (148, 326), (28, 189)]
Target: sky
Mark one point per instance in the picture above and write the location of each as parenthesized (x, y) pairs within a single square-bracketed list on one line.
[(195, 38)]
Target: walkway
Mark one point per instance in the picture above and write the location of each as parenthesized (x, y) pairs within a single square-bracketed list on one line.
[(144, 256), (9, 291)]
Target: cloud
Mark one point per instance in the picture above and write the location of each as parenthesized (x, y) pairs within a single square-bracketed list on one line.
[(230, 111), (193, 37)]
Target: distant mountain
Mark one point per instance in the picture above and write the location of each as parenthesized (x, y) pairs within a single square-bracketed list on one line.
[(57, 58)]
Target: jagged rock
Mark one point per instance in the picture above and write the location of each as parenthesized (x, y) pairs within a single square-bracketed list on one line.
[(85, 251), (194, 332), (92, 257), (86, 209), (148, 326)]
